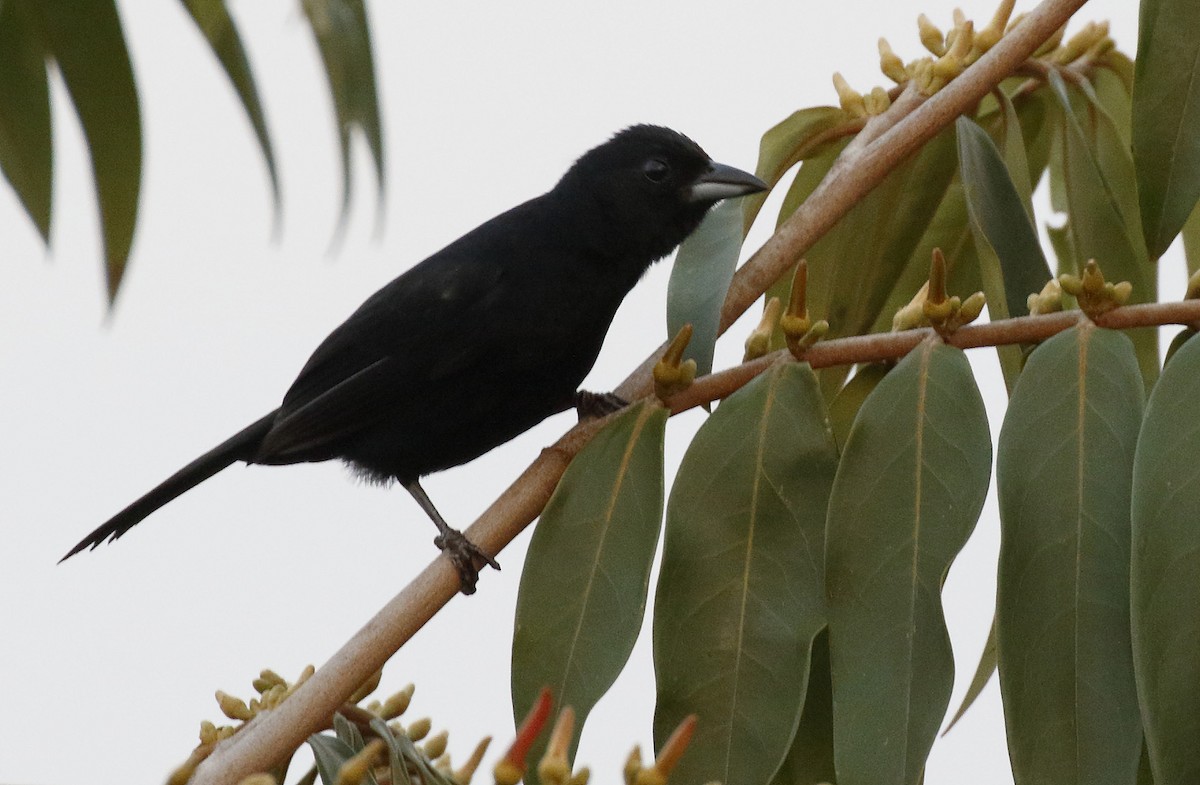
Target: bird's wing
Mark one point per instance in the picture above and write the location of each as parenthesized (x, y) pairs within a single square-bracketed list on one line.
[(343, 409), (419, 329)]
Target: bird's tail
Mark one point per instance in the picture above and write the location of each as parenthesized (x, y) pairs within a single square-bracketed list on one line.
[(242, 446)]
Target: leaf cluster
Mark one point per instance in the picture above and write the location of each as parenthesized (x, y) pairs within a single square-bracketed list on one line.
[(815, 514)]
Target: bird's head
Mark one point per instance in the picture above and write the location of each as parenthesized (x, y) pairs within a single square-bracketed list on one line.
[(650, 187)]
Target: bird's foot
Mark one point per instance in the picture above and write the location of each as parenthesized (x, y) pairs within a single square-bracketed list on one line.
[(590, 405), (463, 554)]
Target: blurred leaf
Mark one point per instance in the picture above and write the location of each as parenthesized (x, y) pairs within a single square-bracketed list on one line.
[(330, 753), (700, 278), (1012, 142), (26, 155), (344, 40), (218, 28), (1121, 65), (1103, 206), (908, 491), (850, 399), (1166, 561), (740, 596), (1064, 248), (1191, 241), (587, 571), (84, 37), (949, 230), (346, 731), (983, 674), (1038, 116), (799, 136), (854, 268), (1166, 118), (1064, 468), (396, 756), (810, 760), (1110, 93)]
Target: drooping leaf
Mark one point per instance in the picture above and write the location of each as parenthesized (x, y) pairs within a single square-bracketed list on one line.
[(810, 760), (983, 674), (1166, 118), (794, 139), (1166, 561), (700, 278), (1011, 262), (1102, 197), (907, 494), (740, 596), (1064, 468), (85, 39), (344, 39), (221, 33), (1012, 145), (1001, 223), (1191, 241), (587, 571), (26, 154)]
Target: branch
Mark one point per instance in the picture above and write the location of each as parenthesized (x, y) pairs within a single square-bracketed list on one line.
[(886, 140)]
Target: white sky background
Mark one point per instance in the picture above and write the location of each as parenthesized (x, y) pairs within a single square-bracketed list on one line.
[(109, 662)]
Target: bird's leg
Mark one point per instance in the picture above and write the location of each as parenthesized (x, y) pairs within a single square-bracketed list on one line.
[(461, 551), (589, 405)]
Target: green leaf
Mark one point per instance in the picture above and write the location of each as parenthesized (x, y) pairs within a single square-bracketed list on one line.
[(1000, 222), (950, 231), (1166, 561), (396, 755), (344, 39), (810, 760), (347, 732), (853, 269), (1015, 161), (1064, 468), (1101, 194), (1011, 262), (740, 596), (219, 29), (1191, 242), (850, 399), (84, 37), (330, 753), (1182, 337), (983, 674), (1166, 118), (798, 137), (587, 571), (908, 492), (26, 154), (700, 278)]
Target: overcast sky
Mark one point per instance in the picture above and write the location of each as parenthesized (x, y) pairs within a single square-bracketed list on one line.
[(109, 662)]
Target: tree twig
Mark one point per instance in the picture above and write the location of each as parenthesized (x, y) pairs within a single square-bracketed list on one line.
[(890, 138)]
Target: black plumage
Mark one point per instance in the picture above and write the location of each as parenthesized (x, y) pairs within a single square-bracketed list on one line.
[(483, 339)]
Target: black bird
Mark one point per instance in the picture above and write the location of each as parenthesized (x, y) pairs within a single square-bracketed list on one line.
[(484, 339)]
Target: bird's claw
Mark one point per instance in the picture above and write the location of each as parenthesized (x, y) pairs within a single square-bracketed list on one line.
[(590, 405), (463, 555)]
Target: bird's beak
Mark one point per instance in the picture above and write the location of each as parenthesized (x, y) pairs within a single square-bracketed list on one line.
[(724, 182)]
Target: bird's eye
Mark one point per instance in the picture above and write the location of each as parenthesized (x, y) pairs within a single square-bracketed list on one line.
[(656, 170)]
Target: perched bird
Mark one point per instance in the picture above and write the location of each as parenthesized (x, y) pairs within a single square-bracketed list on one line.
[(485, 338)]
